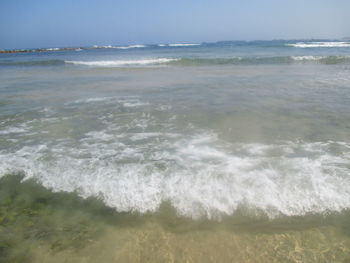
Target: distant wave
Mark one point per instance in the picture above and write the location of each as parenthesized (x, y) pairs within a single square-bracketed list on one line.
[(183, 45), (260, 43), (121, 63), (145, 46), (120, 47), (319, 44), (58, 49), (131, 46), (262, 60), (52, 49), (186, 61), (308, 58), (218, 61)]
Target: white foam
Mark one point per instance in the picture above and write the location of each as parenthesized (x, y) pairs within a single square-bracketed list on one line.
[(131, 46), (128, 102), (120, 47), (122, 63), (52, 49), (135, 162), (147, 135), (202, 176), (307, 58), (183, 45), (319, 44), (107, 46), (178, 45), (100, 135), (89, 100), (134, 103), (14, 130)]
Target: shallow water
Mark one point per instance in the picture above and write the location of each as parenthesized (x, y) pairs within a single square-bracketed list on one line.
[(219, 133), (37, 225)]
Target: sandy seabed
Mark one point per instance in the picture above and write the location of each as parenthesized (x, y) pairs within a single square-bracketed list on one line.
[(37, 225)]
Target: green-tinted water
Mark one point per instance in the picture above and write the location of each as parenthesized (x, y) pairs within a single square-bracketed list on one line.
[(37, 225)]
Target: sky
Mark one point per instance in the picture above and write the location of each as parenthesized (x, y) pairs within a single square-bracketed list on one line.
[(64, 23)]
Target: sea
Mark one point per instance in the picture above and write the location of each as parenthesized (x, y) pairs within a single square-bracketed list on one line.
[(250, 137)]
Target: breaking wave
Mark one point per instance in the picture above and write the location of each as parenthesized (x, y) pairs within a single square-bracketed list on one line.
[(217, 61), (186, 61), (183, 45), (319, 44), (197, 178), (134, 167), (121, 63), (263, 60), (120, 47)]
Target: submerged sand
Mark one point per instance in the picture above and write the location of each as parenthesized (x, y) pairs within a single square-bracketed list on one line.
[(37, 225)]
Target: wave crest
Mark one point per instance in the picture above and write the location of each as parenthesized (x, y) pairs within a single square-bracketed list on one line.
[(200, 176), (319, 44), (187, 61), (121, 63)]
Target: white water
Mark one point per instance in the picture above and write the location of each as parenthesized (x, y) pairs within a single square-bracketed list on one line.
[(319, 44), (135, 167), (120, 63), (183, 45), (120, 47), (307, 58)]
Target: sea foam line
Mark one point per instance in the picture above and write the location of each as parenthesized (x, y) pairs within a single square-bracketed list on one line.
[(120, 63), (183, 45), (319, 44), (201, 178), (131, 46), (307, 58), (120, 47)]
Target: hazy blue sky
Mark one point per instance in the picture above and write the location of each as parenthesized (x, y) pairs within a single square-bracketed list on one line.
[(51, 23)]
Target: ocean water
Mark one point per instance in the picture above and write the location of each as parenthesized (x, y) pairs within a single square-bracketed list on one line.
[(257, 129)]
